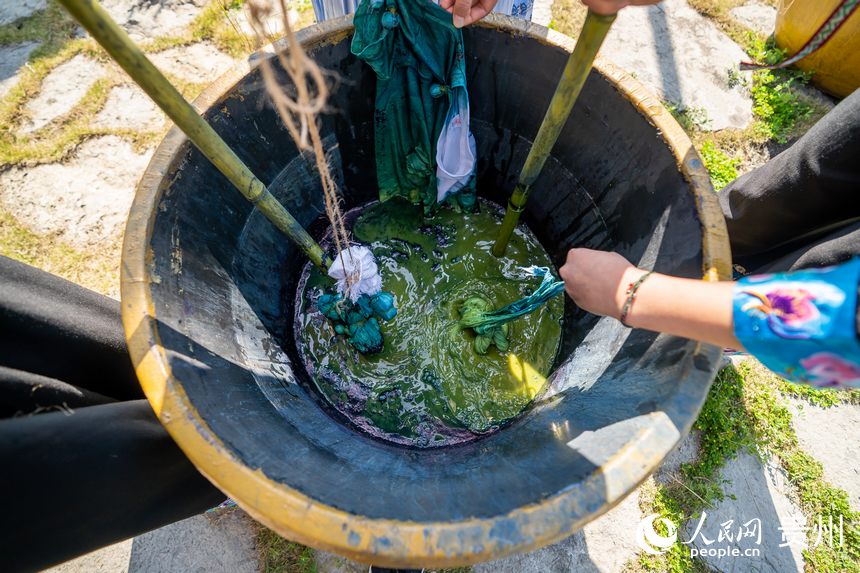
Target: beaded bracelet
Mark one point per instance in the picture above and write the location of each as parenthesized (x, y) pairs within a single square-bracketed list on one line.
[(631, 296)]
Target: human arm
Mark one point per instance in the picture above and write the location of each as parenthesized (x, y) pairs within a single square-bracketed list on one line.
[(803, 325), (597, 281)]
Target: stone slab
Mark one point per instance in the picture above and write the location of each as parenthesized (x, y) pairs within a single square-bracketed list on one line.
[(753, 490), (147, 19), (201, 62), (111, 559), (11, 10), (757, 17), (128, 107), (84, 201), (830, 436), (61, 91), (216, 542), (12, 59), (684, 58)]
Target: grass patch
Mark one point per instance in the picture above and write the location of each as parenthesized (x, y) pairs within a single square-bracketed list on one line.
[(781, 111), (215, 23), (770, 423), (719, 11), (743, 412), (96, 270), (724, 432), (52, 27), (722, 168), (56, 31), (778, 108), (277, 555), (691, 119), (568, 17), (219, 22), (821, 397)]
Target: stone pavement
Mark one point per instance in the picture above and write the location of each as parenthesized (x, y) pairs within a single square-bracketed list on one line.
[(12, 11), (827, 433), (82, 200), (683, 57)]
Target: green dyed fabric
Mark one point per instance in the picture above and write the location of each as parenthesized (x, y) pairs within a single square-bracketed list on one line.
[(491, 326), (417, 55), (474, 311)]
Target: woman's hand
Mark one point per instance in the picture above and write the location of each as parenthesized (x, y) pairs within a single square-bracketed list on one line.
[(468, 11), (597, 280), (613, 6)]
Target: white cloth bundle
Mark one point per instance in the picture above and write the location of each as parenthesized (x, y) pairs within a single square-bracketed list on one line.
[(359, 265)]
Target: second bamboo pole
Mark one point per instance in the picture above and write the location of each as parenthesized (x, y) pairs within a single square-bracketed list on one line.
[(573, 77)]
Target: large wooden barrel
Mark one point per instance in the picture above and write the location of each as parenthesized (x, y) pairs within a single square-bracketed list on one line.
[(208, 286), (837, 63)]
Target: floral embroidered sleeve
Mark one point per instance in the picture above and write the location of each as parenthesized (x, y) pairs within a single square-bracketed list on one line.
[(803, 325)]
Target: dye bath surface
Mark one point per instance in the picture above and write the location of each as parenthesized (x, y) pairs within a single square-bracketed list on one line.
[(428, 387)]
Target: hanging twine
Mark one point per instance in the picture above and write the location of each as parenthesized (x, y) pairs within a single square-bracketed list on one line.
[(299, 113)]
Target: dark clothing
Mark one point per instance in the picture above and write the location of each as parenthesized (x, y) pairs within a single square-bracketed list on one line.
[(802, 208), (85, 462)]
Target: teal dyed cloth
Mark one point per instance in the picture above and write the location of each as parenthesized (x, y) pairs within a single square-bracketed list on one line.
[(490, 326), (424, 151), (359, 321)]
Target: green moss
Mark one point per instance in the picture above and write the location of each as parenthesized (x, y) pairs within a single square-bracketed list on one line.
[(770, 424), (722, 168), (691, 119), (822, 397), (743, 412), (96, 270), (277, 555)]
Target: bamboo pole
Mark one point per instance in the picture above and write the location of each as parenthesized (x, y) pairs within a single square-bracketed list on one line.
[(578, 66), (123, 50)]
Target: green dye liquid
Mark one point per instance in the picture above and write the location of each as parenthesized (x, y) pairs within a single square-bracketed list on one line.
[(428, 386)]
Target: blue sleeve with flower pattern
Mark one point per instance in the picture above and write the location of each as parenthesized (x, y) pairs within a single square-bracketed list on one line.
[(803, 324)]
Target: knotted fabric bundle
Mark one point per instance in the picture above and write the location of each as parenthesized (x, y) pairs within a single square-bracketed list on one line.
[(491, 326), (359, 320)]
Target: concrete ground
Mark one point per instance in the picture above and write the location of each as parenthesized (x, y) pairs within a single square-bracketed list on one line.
[(79, 200)]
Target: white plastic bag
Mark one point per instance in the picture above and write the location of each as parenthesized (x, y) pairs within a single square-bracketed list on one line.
[(455, 150)]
